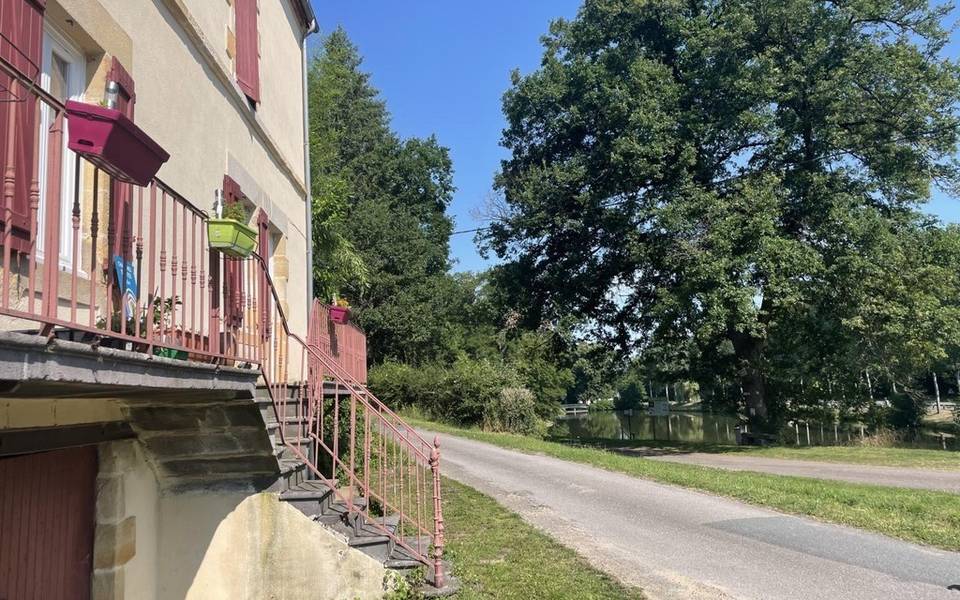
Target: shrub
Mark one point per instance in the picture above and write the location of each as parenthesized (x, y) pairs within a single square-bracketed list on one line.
[(632, 396), (514, 410), (456, 394), (606, 404), (908, 409)]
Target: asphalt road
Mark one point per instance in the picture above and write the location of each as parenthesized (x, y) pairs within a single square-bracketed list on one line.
[(682, 544), (927, 479)]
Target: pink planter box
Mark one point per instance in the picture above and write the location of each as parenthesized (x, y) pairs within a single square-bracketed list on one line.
[(340, 315), (108, 139)]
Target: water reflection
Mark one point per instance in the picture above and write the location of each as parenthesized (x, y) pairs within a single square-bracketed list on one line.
[(677, 427), (696, 427)]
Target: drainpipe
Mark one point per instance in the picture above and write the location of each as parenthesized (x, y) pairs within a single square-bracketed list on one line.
[(308, 200)]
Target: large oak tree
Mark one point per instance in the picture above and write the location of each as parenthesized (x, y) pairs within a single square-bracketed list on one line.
[(691, 174)]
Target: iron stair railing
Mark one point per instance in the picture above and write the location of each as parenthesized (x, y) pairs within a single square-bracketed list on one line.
[(373, 462)]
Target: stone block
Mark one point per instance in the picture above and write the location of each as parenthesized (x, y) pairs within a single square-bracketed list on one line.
[(174, 418), (247, 415), (110, 499), (108, 584), (115, 543), (117, 457), (241, 465), (253, 440)]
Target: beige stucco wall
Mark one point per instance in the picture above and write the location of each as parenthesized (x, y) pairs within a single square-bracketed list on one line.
[(188, 101), (256, 547), (16, 413), (213, 545)]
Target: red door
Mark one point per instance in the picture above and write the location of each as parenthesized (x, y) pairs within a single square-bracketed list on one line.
[(46, 524)]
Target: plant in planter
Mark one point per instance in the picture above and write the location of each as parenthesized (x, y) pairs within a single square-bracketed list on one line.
[(160, 320), (340, 311), (230, 234)]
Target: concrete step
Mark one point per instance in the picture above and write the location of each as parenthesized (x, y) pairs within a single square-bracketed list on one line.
[(292, 473), (291, 430), (309, 497), (283, 451)]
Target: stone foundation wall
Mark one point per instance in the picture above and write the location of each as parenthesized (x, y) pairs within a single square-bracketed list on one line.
[(210, 545)]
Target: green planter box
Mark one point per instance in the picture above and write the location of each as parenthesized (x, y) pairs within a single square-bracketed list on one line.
[(230, 237), (170, 353)]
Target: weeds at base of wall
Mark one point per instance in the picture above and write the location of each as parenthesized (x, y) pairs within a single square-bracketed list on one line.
[(403, 586)]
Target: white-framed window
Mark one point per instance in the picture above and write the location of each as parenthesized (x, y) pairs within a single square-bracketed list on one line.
[(63, 75)]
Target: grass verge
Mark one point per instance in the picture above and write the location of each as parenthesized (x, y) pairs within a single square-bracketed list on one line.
[(915, 515), (915, 458), (864, 455), (498, 555)]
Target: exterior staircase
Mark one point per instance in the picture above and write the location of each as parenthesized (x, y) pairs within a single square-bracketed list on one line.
[(344, 510)]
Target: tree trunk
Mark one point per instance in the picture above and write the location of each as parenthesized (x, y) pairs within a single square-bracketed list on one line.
[(869, 387), (754, 395), (936, 391), (752, 384)]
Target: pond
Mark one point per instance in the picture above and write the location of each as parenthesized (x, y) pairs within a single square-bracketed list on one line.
[(705, 428), (692, 427)]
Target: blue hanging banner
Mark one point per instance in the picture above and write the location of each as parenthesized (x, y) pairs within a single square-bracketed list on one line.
[(127, 280)]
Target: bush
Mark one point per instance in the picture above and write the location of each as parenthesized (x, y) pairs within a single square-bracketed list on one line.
[(908, 409), (606, 404), (513, 411), (457, 394), (633, 396)]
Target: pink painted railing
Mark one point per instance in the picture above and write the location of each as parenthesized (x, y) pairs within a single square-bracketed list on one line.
[(66, 268), (374, 462), (345, 342), (69, 262)]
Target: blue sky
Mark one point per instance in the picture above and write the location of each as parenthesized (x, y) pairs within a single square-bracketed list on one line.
[(442, 67)]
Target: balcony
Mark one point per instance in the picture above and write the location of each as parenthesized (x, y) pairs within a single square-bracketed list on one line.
[(86, 257)]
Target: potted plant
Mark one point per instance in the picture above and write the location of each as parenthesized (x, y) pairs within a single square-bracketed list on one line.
[(340, 312), (160, 306), (230, 234), (109, 139)]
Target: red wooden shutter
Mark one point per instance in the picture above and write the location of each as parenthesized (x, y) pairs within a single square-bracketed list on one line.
[(233, 272), (21, 35), (121, 213), (21, 44), (248, 54), (127, 96)]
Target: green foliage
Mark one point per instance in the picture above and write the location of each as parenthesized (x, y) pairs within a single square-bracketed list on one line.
[(604, 404), (907, 409), (457, 394), (403, 587), (633, 394), (733, 189), (378, 211), (236, 211), (514, 410)]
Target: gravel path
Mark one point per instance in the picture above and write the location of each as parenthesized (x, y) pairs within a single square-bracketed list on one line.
[(927, 479), (681, 544)]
